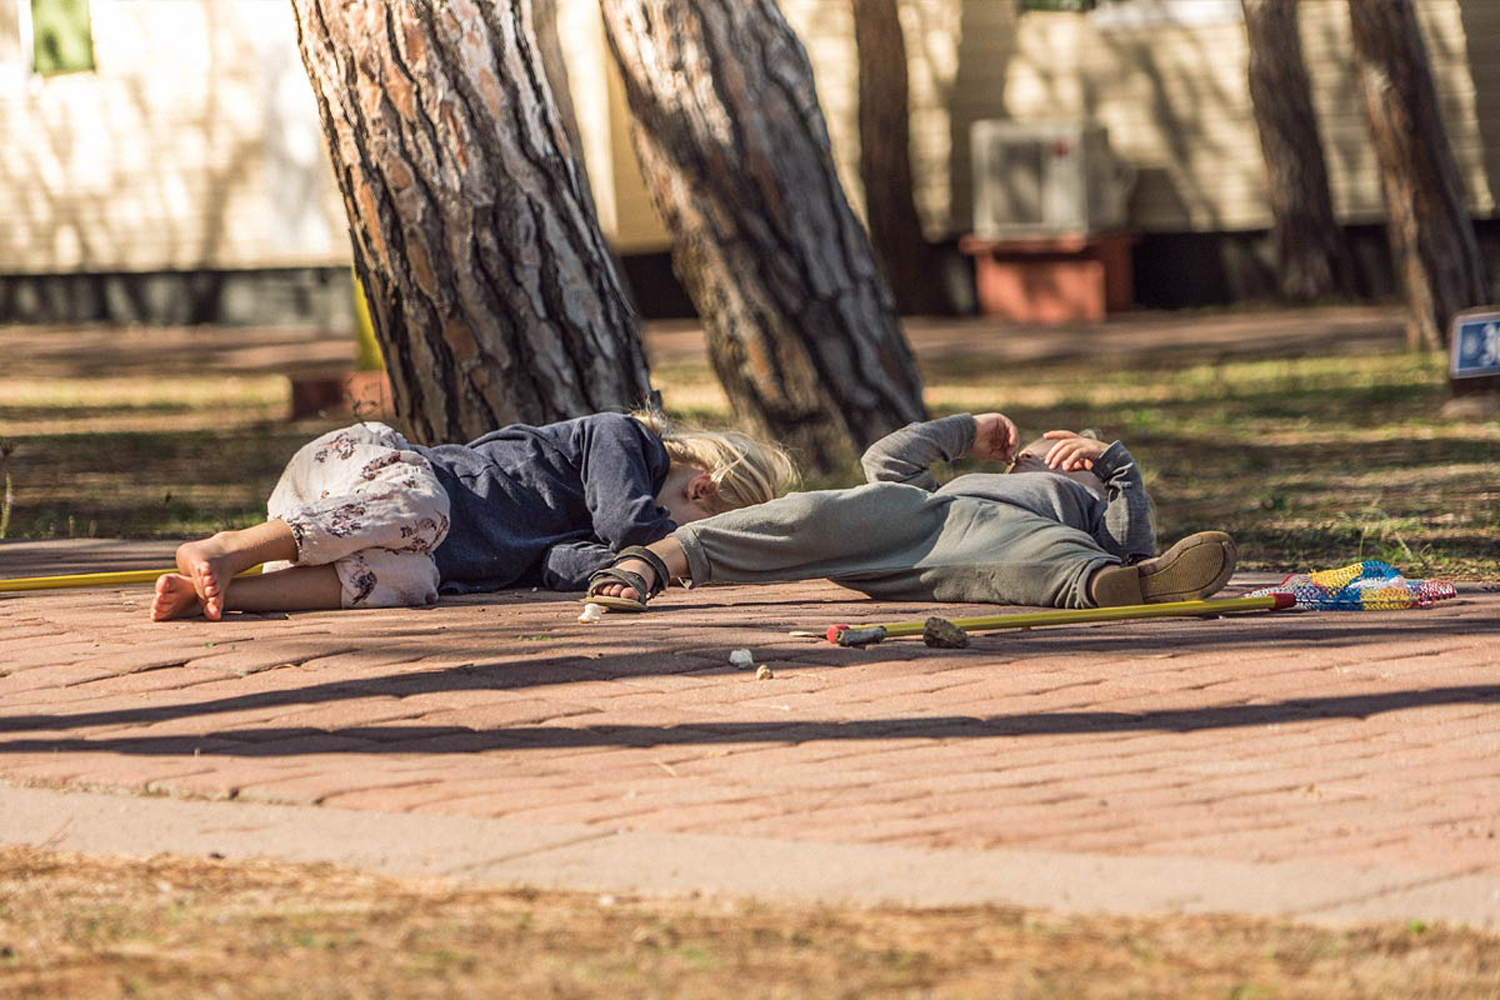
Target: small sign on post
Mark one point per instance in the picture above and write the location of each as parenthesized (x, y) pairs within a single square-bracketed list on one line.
[(1474, 363)]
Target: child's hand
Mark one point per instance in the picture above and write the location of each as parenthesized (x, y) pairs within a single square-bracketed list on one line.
[(1072, 452), (995, 439)]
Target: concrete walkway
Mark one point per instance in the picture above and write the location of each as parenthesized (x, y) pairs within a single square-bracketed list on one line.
[(1319, 766)]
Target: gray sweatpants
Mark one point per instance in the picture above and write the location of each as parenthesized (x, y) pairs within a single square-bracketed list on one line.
[(899, 542)]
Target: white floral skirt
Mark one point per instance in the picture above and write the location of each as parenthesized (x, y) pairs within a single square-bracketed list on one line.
[(361, 499)]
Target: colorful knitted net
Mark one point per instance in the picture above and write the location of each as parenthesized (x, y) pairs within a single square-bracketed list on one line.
[(1362, 586)]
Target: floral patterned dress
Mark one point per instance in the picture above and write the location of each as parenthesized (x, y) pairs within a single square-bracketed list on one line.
[(361, 499)]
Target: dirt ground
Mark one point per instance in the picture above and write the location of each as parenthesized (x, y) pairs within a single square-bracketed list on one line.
[(73, 926)]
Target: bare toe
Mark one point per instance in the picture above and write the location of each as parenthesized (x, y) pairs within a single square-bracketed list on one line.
[(202, 564), (619, 590), (175, 598), (206, 584)]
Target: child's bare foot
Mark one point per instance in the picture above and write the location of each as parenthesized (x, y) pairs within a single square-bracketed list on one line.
[(210, 564), (208, 567), (175, 598)]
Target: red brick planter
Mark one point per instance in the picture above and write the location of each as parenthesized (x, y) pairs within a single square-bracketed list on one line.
[(1063, 279)]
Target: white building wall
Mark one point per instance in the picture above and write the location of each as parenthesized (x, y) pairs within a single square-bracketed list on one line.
[(195, 144)]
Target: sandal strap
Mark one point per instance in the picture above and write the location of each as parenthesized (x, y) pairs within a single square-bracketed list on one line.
[(609, 574), (645, 555)]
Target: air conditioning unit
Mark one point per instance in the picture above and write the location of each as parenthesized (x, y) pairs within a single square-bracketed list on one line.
[(1046, 179)]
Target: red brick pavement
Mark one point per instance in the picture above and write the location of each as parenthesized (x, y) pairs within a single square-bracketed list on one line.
[(1369, 739)]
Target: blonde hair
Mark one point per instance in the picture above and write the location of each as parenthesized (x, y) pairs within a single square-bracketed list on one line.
[(744, 470)]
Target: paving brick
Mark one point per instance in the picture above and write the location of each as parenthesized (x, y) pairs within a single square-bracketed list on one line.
[(436, 790), (349, 714), (130, 774), (62, 675), (323, 784), (225, 779), (505, 714), (144, 682)]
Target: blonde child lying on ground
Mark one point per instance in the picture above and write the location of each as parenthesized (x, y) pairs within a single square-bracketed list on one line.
[(362, 518)]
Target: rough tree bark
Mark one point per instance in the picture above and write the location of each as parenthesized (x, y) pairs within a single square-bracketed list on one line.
[(1311, 252), (911, 265), (1431, 232), (802, 328), (489, 283)]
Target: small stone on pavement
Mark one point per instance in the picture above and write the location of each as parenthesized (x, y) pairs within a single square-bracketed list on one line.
[(940, 633)]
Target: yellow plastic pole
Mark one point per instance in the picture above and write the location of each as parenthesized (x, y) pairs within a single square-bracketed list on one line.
[(92, 579), (874, 633), (1076, 616)]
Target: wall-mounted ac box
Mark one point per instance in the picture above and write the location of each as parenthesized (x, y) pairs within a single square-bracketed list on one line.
[(1038, 179)]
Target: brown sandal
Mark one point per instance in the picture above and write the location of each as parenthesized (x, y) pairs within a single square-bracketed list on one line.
[(611, 574)]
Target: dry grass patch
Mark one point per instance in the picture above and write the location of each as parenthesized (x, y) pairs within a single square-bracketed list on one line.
[(79, 926)]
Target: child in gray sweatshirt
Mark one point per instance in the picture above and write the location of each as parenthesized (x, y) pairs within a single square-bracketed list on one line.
[(1094, 486), (1070, 529)]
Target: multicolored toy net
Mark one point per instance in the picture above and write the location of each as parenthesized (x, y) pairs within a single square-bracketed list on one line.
[(1362, 586)]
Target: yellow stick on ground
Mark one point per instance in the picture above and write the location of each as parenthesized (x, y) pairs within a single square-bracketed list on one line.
[(844, 635), (93, 579)]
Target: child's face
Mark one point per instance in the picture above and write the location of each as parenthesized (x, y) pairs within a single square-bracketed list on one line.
[(685, 493), (1033, 458), (1029, 461)]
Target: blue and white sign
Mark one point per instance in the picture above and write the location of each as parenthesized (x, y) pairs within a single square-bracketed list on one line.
[(1476, 345)]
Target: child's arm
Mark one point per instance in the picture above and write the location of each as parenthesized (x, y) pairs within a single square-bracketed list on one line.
[(1129, 520), (568, 565), (618, 483), (906, 455)]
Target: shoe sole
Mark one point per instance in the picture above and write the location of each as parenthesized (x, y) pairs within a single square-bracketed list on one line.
[(616, 603), (1196, 567)]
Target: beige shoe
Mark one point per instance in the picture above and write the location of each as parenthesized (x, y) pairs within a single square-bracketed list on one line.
[(1191, 570)]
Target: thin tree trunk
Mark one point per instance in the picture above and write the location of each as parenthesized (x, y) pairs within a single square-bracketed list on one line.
[(802, 328), (488, 281), (549, 46), (1431, 233), (910, 263), (1311, 253)]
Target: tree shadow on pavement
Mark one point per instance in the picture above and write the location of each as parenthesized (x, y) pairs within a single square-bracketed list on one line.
[(1277, 643), (402, 739)]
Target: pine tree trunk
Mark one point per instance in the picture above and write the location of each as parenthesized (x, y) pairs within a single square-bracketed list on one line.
[(910, 263), (488, 281), (802, 328), (1431, 233), (1311, 252)]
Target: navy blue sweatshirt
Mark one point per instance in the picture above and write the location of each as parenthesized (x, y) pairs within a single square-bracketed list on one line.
[(546, 506)]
